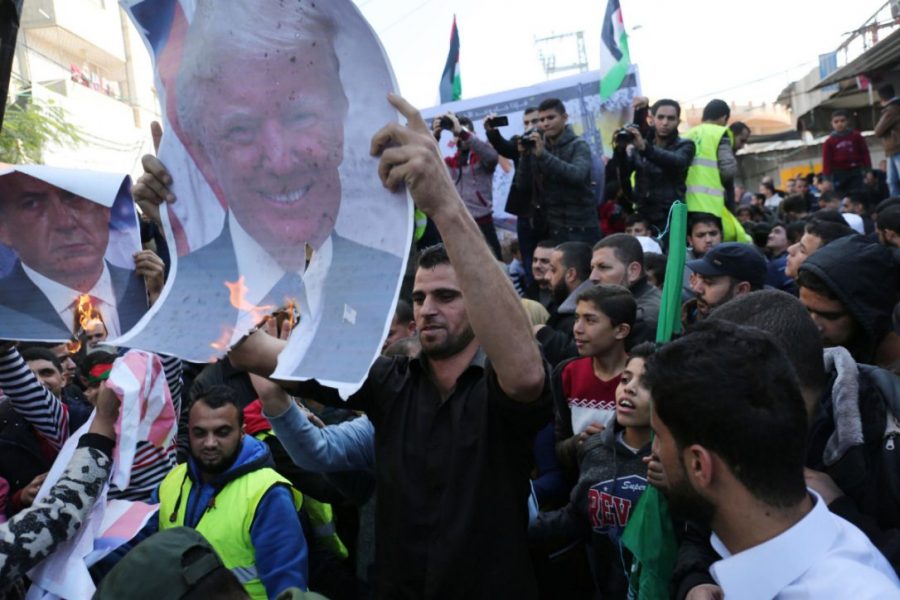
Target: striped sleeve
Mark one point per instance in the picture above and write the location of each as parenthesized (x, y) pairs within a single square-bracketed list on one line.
[(46, 413), (174, 376)]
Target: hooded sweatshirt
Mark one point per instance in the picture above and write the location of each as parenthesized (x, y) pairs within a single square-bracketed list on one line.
[(863, 277), (276, 533), (612, 478)]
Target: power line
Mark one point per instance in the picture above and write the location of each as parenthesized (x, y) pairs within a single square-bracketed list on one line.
[(405, 15), (757, 80)]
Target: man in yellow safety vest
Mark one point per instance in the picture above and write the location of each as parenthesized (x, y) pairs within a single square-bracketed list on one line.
[(228, 493), (714, 168)]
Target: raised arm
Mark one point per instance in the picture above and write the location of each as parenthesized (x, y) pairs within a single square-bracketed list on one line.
[(34, 533), (34, 402), (410, 155)]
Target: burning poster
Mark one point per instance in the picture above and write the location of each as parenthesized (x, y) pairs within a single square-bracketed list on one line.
[(67, 240), (269, 109)]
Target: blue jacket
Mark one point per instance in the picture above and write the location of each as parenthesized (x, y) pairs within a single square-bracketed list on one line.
[(348, 446), (281, 552)]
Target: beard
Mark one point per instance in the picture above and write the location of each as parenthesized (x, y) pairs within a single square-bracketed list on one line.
[(686, 504), (452, 345), (560, 292), (219, 466)]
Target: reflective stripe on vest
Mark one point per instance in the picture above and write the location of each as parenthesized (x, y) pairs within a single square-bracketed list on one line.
[(705, 192), (226, 522), (321, 518)]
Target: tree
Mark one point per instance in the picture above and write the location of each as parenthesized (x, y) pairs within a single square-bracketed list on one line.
[(31, 125)]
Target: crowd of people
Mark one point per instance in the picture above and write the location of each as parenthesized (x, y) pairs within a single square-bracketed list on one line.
[(520, 410)]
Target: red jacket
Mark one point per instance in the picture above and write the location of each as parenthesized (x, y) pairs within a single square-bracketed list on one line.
[(842, 152)]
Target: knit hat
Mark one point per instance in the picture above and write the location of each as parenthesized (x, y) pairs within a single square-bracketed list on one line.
[(165, 565)]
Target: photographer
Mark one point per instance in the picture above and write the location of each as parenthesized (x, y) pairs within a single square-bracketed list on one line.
[(658, 158), (472, 170), (531, 226), (556, 164)]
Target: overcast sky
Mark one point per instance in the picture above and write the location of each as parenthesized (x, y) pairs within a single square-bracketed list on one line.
[(756, 50)]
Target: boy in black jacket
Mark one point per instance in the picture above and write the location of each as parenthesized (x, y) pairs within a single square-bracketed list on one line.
[(613, 477)]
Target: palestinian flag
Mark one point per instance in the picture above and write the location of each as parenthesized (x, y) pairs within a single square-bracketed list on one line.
[(614, 55), (451, 85)]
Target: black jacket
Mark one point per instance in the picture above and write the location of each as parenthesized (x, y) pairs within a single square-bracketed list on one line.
[(863, 276), (561, 177), (659, 176), (855, 439)]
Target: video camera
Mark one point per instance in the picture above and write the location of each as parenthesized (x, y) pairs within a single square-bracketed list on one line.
[(525, 138), (623, 136)]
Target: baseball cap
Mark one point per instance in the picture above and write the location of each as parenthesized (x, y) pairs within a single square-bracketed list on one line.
[(735, 259), (166, 565)]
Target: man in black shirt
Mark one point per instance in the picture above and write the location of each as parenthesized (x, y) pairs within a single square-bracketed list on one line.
[(454, 427)]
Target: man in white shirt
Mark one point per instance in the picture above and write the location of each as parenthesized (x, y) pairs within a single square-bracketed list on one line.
[(733, 459), (60, 240)]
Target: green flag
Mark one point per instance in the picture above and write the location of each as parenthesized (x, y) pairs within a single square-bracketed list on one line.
[(649, 534)]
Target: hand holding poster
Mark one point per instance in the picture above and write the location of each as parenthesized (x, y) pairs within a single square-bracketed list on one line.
[(66, 235), (269, 109)]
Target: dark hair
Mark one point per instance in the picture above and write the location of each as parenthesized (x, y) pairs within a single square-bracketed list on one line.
[(795, 231), (716, 109), (666, 102), (758, 428), (794, 204), (554, 104), (219, 396), (886, 204), (466, 122), (626, 248), (889, 220), (530, 109), (614, 301), (41, 354), (433, 256), (828, 230), (643, 350), (576, 255), (546, 244), (739, 127), (759, 196), (696, 218), (403, 312), (656, 262), (828, 214), (840, 113), (635, 218), (769, 185), (809, 280), (886, 91), (786, 319), (828, 196)]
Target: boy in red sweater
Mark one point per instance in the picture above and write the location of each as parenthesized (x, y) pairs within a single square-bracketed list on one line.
[(584, 388), (845, 155)]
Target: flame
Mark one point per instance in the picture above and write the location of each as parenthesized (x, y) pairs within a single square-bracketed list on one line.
[(291, 307), (237, 296), (73, 346), (87, 315)]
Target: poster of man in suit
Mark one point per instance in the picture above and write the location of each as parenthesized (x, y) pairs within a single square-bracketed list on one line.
[(66, 235), (269, 109)]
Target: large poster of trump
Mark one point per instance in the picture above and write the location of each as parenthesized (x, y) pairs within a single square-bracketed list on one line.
[(67, 245), (269, 108)]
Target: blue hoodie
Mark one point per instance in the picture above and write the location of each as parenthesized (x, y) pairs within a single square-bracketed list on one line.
[(281, 552)]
